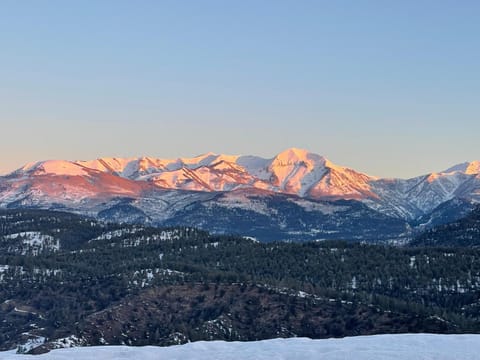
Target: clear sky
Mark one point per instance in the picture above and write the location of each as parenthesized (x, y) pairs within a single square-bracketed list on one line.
[(391, 88)]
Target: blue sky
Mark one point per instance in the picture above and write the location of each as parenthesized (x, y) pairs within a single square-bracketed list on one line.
[(390, 88)]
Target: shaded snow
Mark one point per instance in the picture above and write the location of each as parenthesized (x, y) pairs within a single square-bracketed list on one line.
[(378, 347)]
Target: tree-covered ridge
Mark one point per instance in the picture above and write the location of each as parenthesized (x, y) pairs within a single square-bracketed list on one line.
[(88, 285), (463, 232)]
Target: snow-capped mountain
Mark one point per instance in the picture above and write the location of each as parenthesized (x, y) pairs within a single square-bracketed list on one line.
[(156, 190), (293, 171)]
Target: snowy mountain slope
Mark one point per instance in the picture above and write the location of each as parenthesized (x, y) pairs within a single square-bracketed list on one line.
[(39, 188), (257, 213), (157, 190), (377, 347), (269, 217), (449, 211), (470, 168), (420, 195), (293, 171)]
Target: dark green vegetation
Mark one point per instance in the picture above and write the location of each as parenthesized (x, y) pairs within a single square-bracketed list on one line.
[(463, 232), (64, 275)]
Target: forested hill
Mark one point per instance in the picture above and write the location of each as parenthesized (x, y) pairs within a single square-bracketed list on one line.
[(68, 280), (463, 232)]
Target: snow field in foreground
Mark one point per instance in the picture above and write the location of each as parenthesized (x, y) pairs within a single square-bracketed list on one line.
[(378, 347)]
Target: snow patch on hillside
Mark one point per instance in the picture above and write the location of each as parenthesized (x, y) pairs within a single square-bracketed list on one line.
[(35, 241)]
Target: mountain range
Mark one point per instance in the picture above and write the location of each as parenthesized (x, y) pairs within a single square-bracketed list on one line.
[(293, 196)]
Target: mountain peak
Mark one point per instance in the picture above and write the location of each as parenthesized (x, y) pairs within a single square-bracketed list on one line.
[(297, 151), (469, 168), (56, 167), (295, 155), (293, 151)]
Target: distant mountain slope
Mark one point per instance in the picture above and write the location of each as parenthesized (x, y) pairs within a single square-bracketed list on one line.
[(160, 191), (448, 211), (463, 232), (271, 217)]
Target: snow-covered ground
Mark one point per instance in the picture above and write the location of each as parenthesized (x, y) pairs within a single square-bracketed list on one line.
[(379, 347)]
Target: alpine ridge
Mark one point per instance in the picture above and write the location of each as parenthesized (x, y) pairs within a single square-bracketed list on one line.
[(151, 189), (293, 171)]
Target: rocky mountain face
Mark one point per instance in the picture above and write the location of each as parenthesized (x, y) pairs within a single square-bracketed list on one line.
[(295, 195)]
